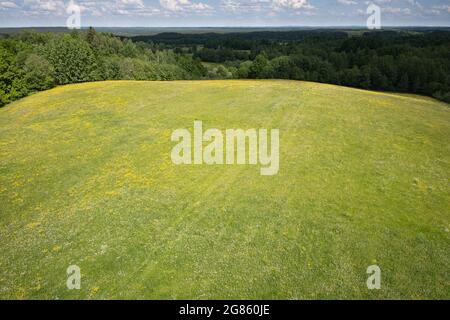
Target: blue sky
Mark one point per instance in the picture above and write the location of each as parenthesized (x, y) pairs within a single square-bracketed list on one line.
[(167, 13)]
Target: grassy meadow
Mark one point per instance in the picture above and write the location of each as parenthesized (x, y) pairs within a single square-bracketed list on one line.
[(86, 179)]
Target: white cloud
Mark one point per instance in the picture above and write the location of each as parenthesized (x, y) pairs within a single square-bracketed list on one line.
[(440, 9), (415, 4), (184, 5), (294, 4), (261, 11), (244, 6), (8, 5), (88, 7), (347, 2), (43, 7), (394, 10)]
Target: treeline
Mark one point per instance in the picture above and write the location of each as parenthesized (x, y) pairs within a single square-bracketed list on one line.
[(31, 61), (238, 40), (390, 61), (412, 61)]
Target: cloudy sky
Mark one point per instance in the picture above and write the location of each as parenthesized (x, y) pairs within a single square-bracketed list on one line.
[(165, 13)]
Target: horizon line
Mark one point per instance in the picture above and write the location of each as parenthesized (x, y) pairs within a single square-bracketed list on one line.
[(234, 27)]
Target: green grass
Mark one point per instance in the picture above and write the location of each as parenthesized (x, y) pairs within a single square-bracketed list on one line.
[(86, 178)]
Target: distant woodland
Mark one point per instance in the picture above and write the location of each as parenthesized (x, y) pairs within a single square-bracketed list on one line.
[(405, 61)]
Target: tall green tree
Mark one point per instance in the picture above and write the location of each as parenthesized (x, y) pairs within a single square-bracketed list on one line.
[(72, 59)]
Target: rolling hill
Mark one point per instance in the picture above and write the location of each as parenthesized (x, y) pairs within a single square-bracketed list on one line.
[(86, 179)]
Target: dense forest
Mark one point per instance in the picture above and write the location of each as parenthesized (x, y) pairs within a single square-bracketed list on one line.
[(32, 61), (399, 60), (412, 61)]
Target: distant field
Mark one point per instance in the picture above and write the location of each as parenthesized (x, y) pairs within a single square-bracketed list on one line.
[(86, 179)]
